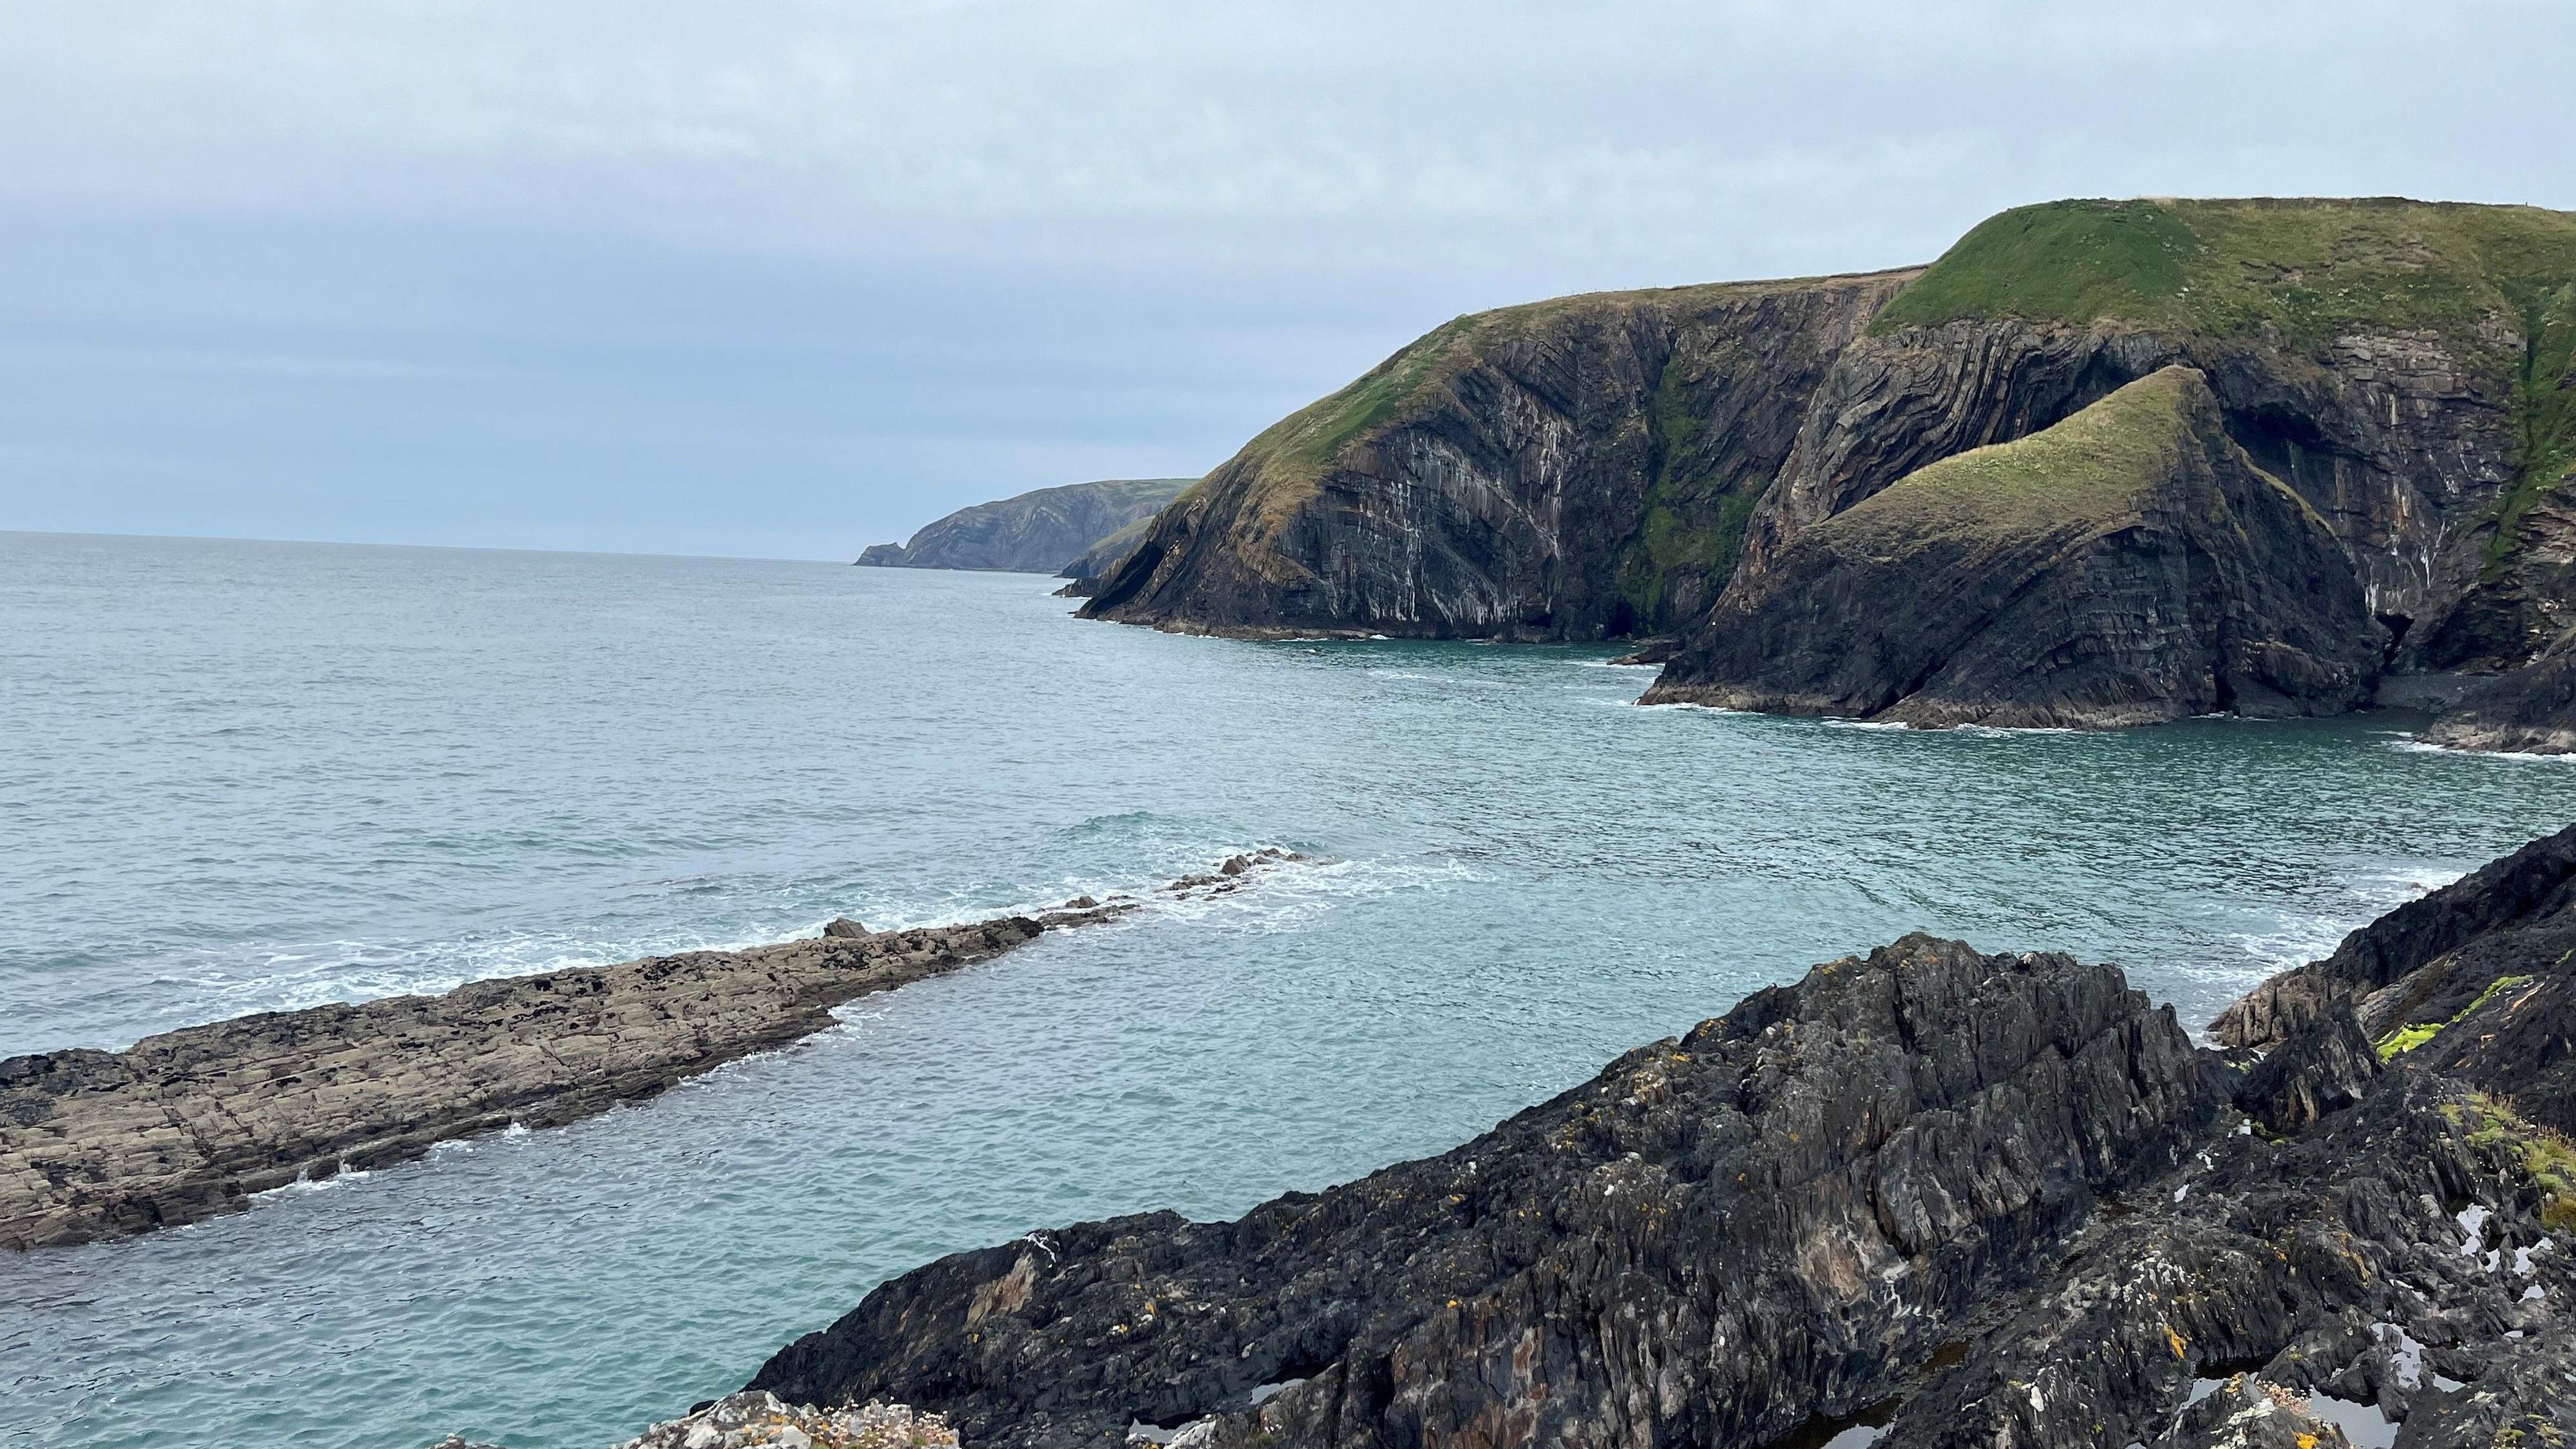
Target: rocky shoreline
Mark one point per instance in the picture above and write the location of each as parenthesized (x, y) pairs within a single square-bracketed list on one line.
[(1924, 1197), (192, 1123)]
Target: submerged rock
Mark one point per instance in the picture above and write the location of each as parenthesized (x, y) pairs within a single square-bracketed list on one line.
[(192, 1123), (2130, 565)]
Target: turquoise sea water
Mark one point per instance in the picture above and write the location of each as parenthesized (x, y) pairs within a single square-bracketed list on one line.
[(237, 776)]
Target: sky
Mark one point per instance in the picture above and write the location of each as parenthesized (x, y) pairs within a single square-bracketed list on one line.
[(783, 278)]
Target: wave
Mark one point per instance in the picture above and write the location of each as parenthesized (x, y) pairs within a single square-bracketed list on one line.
[(2409, 745)]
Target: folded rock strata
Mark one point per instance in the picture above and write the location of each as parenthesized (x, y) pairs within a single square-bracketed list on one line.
[(1036, 533), (2129, 565), (1609, 466), (190, 1123), (1927, 1197)]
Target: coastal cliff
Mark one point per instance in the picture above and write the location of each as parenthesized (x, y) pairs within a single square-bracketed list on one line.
[(1035, 533), (1573, 469), (2128, 565), (1614, 465), (1925, 1197)]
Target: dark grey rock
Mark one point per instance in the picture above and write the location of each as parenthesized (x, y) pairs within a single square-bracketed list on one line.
[(1037, 533), (842, 927), (2129, 565)]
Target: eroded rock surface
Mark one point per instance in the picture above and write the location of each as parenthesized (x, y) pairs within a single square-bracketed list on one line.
[(190, 1123), (1782, 1215), (1928, 1197), (1036, 533), (2129, 565)]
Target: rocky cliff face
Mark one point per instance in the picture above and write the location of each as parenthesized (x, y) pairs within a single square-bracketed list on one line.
[(2478, 978), (2127, 565), (1574, 469), (2531, 710), (1924, 1198), (1782, 1215), (1610, 465), (1034, 533)]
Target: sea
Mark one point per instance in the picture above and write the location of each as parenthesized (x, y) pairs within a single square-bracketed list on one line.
[(240, 777)]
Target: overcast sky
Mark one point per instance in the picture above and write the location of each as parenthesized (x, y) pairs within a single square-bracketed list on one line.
[(784, 277)]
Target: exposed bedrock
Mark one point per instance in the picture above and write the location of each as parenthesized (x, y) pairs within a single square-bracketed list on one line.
[(2531, 710), (1967, 1199), (2128, 565), (1573, 469), (190, 1123), (1783, 1214), (1038, 532), (1612, 465), (2477, 978)]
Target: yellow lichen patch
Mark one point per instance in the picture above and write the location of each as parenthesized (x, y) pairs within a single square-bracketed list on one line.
[(2177, 1340)]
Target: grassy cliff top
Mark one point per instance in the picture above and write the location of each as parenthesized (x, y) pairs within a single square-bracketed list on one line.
[(1293, 454), (2091, 470), (2312, 269)]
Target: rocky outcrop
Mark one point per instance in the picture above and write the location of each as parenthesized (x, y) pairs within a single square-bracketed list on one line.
[(2478, 977), (1574, 469), (191, 1123), (1782, 1215), (1035, 533), (1927, 1197), (2128, 565), (2530, 711), (1102, 559), (1610, 465)]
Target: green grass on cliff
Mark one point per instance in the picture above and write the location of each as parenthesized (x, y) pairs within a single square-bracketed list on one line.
[(2304, 271), (2091, 469), (2300, 274), (2544, 407)]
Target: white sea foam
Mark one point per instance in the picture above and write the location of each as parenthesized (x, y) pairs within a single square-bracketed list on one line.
[(2409, 745)]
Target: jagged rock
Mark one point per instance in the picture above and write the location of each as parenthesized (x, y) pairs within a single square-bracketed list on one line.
[(2479, 975), (2129, 565), (1780, 1215), (2324, 1068), (1608, 465), (843, 928), (1573, 469), (2531, 710), (761, 1421), (1929, 1199), (1036, 533), (190, 1123)]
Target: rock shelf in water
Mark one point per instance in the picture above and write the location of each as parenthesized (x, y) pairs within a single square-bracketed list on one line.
[(191, 1123)]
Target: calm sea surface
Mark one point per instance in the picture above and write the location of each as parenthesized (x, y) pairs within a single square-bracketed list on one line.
[(240, 776)]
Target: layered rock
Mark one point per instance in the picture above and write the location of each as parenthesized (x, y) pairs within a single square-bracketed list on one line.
[(1781, 1215), (2477, 978), (1102, 559), (1574, 469), (1041, 532), (1924, 1198), (1609, 465), (191, 1123), (2127, 565), (2529, 711)]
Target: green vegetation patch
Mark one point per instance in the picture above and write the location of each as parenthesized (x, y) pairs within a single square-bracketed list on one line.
[(2069, 261), (2408, 1038), (1689, 526), (2544, 408), (2546, 1153), (2092, 468), (2306, 271)]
